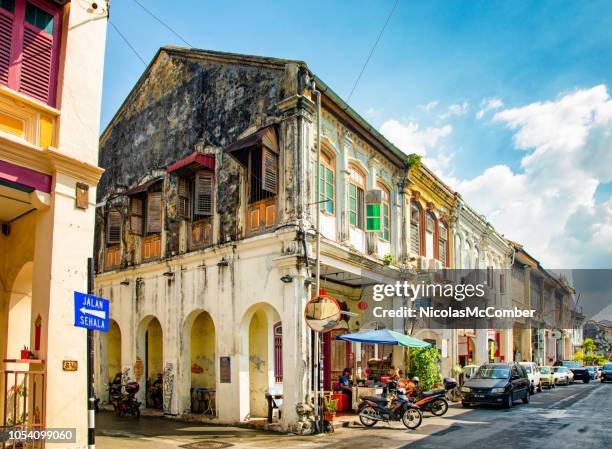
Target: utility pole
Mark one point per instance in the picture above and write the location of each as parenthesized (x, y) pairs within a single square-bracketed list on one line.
[(91, 416)]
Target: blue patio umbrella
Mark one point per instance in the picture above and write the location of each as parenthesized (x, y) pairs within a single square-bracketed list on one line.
[(385, 337)]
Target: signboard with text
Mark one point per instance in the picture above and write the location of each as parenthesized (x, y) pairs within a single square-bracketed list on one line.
[(91, 312)]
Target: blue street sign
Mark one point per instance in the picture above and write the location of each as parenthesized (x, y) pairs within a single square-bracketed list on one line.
[(91, 312), (422, 303)]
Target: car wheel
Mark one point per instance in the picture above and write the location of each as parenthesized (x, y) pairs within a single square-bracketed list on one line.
[(526, 398), (509, 403), (585, 381)]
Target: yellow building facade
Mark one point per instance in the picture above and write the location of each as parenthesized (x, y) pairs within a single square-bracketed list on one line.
[(51, 67)]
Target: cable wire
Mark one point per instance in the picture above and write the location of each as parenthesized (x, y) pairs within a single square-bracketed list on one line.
[(127, 42), (163, 23), (372, 50)]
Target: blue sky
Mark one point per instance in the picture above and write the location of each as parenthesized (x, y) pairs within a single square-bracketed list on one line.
[(546, 65)]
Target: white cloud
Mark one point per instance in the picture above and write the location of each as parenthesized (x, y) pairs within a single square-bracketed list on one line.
[(457, 109), (408, 137), (429, 106), (550, 206), (488, 104)]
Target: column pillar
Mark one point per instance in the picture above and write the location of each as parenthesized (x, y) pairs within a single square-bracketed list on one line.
[(63, 242), (481, 346)]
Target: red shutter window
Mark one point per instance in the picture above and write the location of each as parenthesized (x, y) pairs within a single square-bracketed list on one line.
[(278, 352), (7, 9), (29, 47)]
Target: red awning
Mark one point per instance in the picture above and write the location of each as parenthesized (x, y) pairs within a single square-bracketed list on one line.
[(143, 187), (265, 136), (193, 162)]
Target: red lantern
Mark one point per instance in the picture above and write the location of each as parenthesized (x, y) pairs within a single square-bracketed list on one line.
[(362, 305)]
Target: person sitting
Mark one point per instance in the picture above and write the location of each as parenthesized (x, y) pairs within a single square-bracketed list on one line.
[(345, 385)]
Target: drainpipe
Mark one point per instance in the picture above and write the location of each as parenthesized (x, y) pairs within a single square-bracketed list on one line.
[(319, 343)]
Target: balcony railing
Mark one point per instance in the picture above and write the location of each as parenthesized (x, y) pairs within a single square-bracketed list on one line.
[(23, 404)]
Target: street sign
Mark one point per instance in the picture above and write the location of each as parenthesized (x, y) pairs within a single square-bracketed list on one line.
[(91, 312), (422, 303)]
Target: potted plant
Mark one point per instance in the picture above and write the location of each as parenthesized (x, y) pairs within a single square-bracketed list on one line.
[(331, 406)]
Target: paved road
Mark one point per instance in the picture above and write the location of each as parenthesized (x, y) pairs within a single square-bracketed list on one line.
[(577, 416)]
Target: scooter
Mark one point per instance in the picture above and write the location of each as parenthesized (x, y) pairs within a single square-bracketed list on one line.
[(435, 401), (394, 408), (126, 403)]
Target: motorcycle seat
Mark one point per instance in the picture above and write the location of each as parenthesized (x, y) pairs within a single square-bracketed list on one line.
[(433, 392), (377, 399)]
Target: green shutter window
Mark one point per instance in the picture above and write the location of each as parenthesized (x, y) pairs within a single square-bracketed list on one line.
[(326, 189), (374, 214), (353, 204)]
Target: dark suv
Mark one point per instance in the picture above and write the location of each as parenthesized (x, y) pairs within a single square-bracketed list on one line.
[(580, 372), (497, 383)]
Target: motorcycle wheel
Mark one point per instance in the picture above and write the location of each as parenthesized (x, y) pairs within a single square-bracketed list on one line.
[(439, 407), (368, 422), (412, 418), (137, 413)]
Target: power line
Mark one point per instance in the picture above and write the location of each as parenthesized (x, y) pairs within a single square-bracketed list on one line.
[(372, 50), (162, 22), (127, 42)]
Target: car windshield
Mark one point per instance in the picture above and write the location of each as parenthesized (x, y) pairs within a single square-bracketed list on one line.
[(491, 372), (608, 367), (560, 369), (571, 364), (590, 368), (527, 368), (545, 370)]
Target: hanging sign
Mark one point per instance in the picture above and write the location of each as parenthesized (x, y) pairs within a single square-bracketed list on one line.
[(91, 312)]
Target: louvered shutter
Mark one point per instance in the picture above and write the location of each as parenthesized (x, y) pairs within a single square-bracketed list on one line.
[(154, 212), (37, 63), (113, 235), (6, 31), (182, 198), (203, 193), (269, 170), (415, 230), (136, 216)]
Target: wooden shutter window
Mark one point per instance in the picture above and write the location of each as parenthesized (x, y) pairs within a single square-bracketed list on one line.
[(113, 235), (136, 207), (203, 193), (6, 32), (154, 212), (269, 170), (183, 206)]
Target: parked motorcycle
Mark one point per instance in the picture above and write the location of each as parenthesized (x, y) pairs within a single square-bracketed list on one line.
[(126, 403), (434, 401), (396, 407)]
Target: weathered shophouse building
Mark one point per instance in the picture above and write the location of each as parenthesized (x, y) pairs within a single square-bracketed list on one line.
[(51, 66), (549, 335), (481, 249), (204, 240)]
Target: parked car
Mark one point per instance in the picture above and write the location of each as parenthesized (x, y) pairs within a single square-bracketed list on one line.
[(497, 383), (534, 376), (592, 372), (562, 375), (606, 372), (579, 371), (547, 378)]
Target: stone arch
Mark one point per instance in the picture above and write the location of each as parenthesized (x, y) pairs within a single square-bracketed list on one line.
[(19, 312), (199, 347), (149, 356), (257, 358)]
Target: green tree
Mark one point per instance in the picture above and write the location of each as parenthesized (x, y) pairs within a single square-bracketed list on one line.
[(424, 364), (589, 346), (579, 356)]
